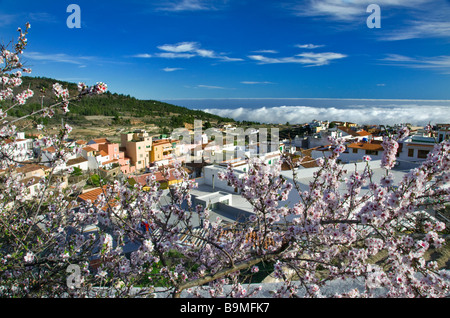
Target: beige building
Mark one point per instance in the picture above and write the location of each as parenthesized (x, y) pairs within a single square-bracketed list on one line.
[(137, 146)]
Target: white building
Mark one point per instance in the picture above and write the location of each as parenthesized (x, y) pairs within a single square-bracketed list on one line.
[(353, 133), (415, 148), (357, 150), (80, 162), (20, 149)]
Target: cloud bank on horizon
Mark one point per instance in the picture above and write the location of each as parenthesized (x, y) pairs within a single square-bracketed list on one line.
[(414, 114)]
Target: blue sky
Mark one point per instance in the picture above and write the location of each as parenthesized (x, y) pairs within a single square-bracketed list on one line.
[(169, 49)]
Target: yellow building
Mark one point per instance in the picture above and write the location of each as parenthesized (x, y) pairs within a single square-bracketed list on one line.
[(163, 151), (137, 146)]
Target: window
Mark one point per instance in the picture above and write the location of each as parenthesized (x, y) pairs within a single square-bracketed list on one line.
[(372, 152), (422, 154), (410, 152), (355, 150)]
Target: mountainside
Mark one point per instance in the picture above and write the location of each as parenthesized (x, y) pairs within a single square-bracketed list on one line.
[(122, 108)]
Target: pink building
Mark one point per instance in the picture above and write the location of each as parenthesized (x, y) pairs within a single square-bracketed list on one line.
[(104, 146)]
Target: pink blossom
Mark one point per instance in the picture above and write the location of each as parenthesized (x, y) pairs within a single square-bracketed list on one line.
[(390, 147), (29, 257)]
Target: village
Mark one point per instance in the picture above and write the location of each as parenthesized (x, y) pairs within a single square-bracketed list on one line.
[(139, 154)]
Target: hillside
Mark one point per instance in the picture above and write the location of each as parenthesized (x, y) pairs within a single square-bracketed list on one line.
[(111, 110)]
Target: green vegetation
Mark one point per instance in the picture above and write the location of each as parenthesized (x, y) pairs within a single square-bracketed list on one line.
[(120, 107), (94, 180)]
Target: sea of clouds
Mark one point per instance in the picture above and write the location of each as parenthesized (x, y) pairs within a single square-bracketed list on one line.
[(416, 114)]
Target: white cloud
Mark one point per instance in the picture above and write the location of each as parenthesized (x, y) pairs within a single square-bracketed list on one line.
[(307, 59), (171, 69), (317, 59), (255, 83), (230, 59), (308, 46), (191, 49), (206, 53), (186, 5), (398, 58), (334, 9), (413, 18), (143, 55), (349, 10), (362, 114), (179, 47), (420, 29), (58, 57), (439, 63), (170, 55), (210, 87), (266, 51)]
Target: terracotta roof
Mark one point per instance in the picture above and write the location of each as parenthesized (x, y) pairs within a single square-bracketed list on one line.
[(91, 195), (323, 148), (363, 133), (359, 133), (102, 153), (305, 161), (75, 161), (50, 149), (94, 194), (309, 162), (31, 167), (89, 149), (110, 161), (366, 146), (274, 155)]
